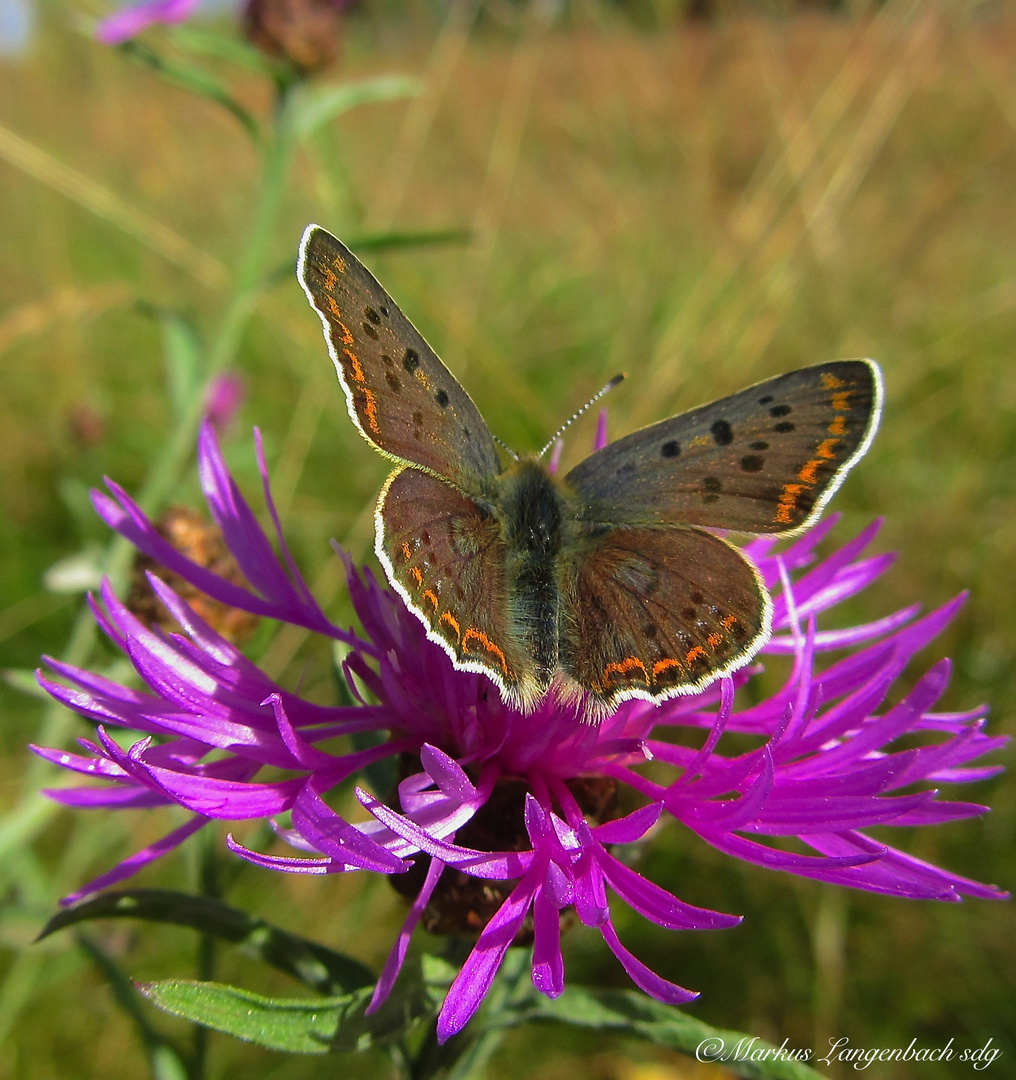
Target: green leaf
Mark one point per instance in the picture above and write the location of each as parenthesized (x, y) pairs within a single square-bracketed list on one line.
[(191, 78), (317, 105), (296, 1027), (318, 1026), (627, 1010), (312, 964)]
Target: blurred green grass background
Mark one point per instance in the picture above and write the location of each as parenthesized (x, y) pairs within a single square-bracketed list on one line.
[(700, 204)]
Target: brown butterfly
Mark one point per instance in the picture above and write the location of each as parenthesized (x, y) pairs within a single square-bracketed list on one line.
[(605, 583)]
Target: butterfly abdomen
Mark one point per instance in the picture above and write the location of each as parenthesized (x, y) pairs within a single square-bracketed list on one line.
[(531, 513)]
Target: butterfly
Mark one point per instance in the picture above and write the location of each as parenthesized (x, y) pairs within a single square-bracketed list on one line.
[(606, 584)]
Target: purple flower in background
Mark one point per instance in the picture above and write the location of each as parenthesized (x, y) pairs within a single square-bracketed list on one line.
[(226, 394), (502, 821), (132, 20), (307, 33)]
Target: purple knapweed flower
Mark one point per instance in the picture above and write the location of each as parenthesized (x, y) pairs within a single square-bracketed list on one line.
[(132, 20), (307, 32), (520, 806), (223, 400)]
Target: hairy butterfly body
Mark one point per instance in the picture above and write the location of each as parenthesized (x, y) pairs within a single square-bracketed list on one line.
[(603, 583)]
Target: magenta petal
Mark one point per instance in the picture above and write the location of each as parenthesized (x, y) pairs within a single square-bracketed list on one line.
[(227, 799), (473, 981), (132, 20), (137, 861), (447, 773), (548, 962), (393, 965), (656, 904), (285, 864), (643, 977), (632, 827)]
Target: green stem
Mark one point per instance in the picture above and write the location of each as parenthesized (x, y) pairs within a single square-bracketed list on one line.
[(208, 886)]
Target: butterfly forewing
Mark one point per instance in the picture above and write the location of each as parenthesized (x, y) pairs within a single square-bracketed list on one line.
[(402, 398), (765, 460), (651, 612), (446, 557)]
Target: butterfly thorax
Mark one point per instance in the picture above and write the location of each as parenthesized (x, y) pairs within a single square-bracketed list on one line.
[(531, 509)]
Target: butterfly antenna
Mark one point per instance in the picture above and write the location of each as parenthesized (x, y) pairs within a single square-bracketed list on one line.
[(505, 447), (615, 381)]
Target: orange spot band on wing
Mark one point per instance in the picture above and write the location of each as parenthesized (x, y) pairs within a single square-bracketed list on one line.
[(330, 279), (481, 637), (838, 426), (728, 622), (807, 473), (406, 551), (831, 382), (370, 408), (357, 368), (333, 307), (827, 449), (432, 597), (417, 574), (694, 654), (841, 402), (713, 640), (449, 618), (339, 263), (788, 501), (664, 665), (626, 665)]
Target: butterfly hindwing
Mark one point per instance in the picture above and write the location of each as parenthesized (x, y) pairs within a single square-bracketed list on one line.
[(445, 555), (765, 460), (650, 612), (401, 397)]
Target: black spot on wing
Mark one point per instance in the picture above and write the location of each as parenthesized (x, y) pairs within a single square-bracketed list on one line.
[(441, 397), (670, 449), (780, 410), (722, 432), (752, 462), (784, 427), (411, 360)]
